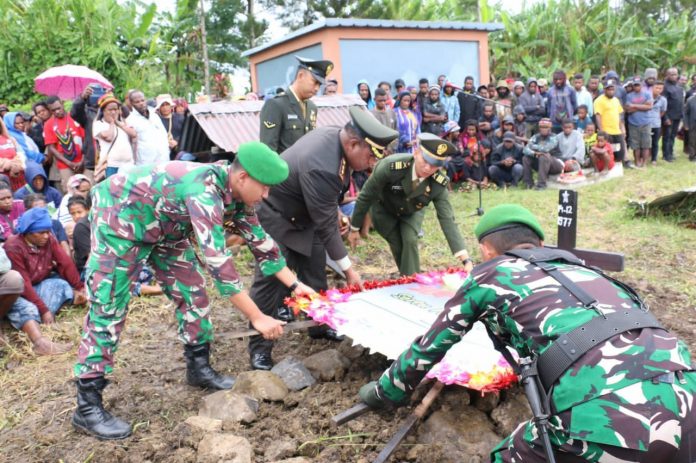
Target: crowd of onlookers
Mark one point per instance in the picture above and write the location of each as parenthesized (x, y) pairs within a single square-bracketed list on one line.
[(49, 161), (507, 130)]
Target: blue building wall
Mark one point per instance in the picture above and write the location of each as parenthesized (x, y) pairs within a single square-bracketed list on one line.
[(410, 60)]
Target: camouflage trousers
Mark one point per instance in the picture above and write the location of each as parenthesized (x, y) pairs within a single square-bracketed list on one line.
[(176, 269), (663, 429)]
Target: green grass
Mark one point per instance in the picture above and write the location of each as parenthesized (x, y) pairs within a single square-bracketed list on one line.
[(658, 251)]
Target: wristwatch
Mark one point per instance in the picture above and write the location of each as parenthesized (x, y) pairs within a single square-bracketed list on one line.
[(294, 286)]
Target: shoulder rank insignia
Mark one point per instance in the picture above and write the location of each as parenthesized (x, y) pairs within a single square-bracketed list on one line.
[(342, 169), (441, 179), (269, 125), (399, 165)]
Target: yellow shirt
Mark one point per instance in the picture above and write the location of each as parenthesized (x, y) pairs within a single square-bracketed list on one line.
[(610, 110)]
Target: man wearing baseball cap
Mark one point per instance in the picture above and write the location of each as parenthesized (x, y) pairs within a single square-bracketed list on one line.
[(148, 215), (396, 195)]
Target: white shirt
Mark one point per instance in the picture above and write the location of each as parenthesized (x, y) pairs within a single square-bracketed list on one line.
[(585, 97), (118, 152), (153, 142)]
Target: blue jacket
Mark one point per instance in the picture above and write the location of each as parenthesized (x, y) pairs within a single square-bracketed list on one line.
[(31, 172)]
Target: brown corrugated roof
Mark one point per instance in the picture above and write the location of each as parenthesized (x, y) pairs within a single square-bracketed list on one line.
[(230, 123)]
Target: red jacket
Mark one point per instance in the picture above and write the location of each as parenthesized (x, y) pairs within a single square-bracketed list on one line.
[(37, 264)]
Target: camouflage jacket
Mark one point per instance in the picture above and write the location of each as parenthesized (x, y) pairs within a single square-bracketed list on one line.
[(156, 205), (527, 309)]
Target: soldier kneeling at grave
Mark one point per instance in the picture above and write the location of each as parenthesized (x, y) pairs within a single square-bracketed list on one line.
[(606, 382)]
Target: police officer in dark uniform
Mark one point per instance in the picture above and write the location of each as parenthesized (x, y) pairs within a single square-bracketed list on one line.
[(288, 116), (301, 213), (396, 194)]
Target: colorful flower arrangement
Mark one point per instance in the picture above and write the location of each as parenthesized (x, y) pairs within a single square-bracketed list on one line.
[(320, 307)]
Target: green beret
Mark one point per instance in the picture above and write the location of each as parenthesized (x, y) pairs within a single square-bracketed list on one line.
[(262, 163), (506, 216)]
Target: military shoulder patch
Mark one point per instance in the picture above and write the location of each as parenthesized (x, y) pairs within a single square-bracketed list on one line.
[(399, 165), (269, 125), (440, 178)]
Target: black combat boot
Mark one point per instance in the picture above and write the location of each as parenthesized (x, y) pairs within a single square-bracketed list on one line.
[(198, 369), (90, 416), (261, 360)]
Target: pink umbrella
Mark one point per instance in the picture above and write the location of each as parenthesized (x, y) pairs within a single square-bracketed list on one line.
[(68, 81)]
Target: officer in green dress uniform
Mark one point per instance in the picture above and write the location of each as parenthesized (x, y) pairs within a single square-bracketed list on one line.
[(287, 117), (396, 194)]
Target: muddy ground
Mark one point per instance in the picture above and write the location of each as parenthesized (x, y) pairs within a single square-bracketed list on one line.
[(149, 390)]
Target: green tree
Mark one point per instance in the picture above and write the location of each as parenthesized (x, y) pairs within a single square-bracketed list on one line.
[(112, 38)]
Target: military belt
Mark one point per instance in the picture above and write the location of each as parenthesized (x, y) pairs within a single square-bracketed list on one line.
[(569, 347)]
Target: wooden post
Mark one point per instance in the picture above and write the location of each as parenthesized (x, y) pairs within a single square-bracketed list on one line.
[(204, 44), (567, 219), (567, 235)]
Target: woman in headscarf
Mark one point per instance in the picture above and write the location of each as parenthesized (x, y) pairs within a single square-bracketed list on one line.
[(366, 94), (114, 137), (12, 160), (406, 123), (16, 128)]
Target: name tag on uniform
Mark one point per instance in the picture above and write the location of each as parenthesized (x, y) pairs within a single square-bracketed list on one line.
[(397, 188), (292, 116)]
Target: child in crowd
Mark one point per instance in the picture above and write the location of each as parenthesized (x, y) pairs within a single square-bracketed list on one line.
[(454, 164), (475, 169), (582, 119), (520, 124), (470, 136), (37, 182), (79, 212), (602, 154), (78, 185), (590, 138), (10, 210)]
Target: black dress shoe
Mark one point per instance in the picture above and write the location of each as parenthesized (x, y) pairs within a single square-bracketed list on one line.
[(261, 361), (284, 314), (324, 332)]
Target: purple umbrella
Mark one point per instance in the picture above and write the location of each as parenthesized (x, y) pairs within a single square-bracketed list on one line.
[(68, 81)]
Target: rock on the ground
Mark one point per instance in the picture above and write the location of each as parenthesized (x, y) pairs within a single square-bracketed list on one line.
[(485, 402), (293, 460), (277, 450), (464, 434), (228, 406), (511, 412), (204, 423), (224, 447), (327, 365), (294, 374), (261, 385), (350, 351)]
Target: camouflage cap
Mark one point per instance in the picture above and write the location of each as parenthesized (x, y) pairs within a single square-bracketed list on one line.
[(262, 163), (506, 216)]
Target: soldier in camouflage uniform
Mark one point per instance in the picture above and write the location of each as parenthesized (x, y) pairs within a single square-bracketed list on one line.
[(148, 215), (396, 195), (627, 399)]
